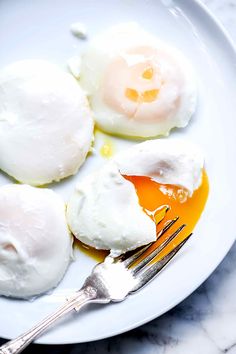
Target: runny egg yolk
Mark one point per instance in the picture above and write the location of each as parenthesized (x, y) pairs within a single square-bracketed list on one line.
[(155, 198)]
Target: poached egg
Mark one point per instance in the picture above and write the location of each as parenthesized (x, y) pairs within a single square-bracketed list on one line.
[(46, 126), (118, 207), (138, 86), (35, 243)]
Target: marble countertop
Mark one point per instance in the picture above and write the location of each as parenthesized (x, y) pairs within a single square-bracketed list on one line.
[(206, 321)]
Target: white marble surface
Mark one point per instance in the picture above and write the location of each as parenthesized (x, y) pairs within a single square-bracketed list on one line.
[(205, 323)]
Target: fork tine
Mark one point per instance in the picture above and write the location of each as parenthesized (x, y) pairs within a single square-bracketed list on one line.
[(156, 251), (130, 260), (167, 226), (151, 271)]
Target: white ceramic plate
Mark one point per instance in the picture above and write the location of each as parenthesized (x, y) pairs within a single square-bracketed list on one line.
[(40, 29)]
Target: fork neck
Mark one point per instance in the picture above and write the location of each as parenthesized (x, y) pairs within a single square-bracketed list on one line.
[(75, 302)]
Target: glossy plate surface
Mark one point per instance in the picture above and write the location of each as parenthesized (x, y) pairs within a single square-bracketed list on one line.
[(40, 29)]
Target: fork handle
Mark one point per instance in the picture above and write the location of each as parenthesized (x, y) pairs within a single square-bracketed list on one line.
[(78, 300)]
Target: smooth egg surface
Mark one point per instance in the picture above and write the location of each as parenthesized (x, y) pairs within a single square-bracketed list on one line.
[(35, 243), (46, 125), (138, 86)]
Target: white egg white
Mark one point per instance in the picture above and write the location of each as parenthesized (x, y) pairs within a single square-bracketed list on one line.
[(104, 211), (35, 243), (46, 125), (138, 86), (173, 161)]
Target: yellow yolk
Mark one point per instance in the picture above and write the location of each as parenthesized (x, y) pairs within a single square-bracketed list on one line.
[(149, 95), (146, 96), (107, 149), (155, 197), (97, 255), (148, 73), (132, 94)]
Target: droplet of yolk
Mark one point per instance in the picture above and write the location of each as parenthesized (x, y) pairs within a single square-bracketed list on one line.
[(149, 95), (148, 73), (154, 196), (132, 94), (107, 149)]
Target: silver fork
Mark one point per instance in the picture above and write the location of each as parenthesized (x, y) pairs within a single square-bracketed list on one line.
[(110, 281)]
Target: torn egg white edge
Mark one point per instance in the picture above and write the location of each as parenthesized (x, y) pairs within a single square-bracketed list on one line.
[(173, 161), (111, 175), (187, 161)]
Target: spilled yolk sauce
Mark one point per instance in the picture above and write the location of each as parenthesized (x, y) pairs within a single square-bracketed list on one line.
[(97, 255), (155, 199)]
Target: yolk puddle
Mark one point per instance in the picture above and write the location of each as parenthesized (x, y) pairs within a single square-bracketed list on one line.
[(97, 255), (154, 196)]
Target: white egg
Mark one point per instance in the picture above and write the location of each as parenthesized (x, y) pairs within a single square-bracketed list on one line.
[(138, 86), (173, 161), (104, 211), (35, 243), (46, 125)]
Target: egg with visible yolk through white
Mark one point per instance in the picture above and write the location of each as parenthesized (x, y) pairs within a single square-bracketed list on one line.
[(137, 85)]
